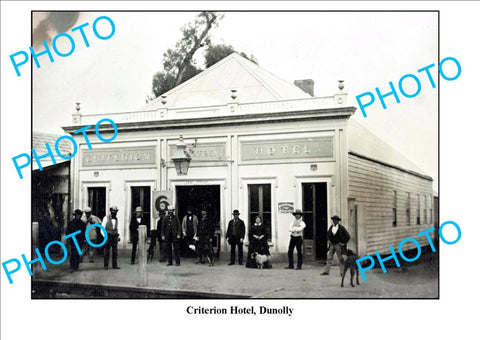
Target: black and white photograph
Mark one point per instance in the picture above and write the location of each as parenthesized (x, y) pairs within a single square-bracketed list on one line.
[(230, 170), (219, 161)]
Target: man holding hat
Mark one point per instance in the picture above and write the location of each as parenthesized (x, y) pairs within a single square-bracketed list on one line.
[(338, 238), (296, 239), (171, 233), (110, 223), (235, 236), (75, 225), (92, 234), (136, 221)]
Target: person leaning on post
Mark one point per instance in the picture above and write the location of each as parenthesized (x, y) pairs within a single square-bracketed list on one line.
[(92, 234), (110, 223), (136, 221), (338, 238), (296, 239), (73, 226)]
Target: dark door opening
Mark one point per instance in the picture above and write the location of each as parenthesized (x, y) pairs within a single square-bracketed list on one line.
[(97, 201), (199, 197), (315, 217), (141, 198)]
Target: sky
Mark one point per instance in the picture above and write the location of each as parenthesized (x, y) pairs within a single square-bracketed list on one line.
[(365, 49)]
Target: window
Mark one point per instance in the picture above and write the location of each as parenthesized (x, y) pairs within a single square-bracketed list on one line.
[(431, 209), (418, 209), (408, 208), (260, 204), (425, 210), (394, 208)]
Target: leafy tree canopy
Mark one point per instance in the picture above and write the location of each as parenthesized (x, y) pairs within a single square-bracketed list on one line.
[(178, 62)]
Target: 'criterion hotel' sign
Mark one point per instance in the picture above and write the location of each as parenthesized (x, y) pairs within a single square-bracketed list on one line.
[(308, 148), (117, 156)]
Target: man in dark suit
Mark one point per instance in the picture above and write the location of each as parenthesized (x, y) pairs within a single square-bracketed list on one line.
[(235, 236), (75, 225), (338, 238), (171, 233), (136, 221), (204, 236)]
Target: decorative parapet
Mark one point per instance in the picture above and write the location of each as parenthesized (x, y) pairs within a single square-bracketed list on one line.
[(230, 109)]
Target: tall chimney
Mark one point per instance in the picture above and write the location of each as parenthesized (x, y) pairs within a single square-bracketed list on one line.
[(306, 85)]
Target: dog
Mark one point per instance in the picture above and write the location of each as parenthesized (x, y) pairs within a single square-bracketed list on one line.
[(350, 263), (261, 260), (150, 255)]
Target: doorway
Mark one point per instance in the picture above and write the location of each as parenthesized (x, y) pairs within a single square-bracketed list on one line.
[(97, 201), (198, 197), (140, 197), (315, 216)]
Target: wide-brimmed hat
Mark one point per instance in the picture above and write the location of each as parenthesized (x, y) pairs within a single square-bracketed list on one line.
[(114, 208), (88, 210), (138, 209), (77, 212), (298, 212), (236, 212), (336, 217)]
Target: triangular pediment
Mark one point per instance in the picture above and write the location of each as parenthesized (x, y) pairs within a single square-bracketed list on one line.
[(213, 86)]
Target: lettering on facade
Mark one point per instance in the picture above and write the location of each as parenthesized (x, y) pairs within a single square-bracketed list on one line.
[(132, 156), (210, 152), (309, 148)]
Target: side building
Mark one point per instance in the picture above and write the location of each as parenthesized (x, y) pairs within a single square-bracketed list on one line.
[(237, 137)]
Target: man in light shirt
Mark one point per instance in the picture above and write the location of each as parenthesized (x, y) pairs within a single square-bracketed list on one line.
[(296, 239), (110, 223), (338, 238)]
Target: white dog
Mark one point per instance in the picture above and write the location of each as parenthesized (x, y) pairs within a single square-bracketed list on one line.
[(261, 260)]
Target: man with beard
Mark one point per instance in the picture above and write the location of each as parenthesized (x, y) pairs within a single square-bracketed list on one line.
[(189, 229), (204, 236)]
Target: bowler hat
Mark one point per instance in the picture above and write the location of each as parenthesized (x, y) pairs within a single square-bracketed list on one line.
[(114, 207), (77, 212), (88, 210), (297, 212), (335, 217), (236, 212), (138, 209)]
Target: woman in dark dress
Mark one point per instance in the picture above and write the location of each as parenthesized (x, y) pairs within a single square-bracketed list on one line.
[(257, 242)]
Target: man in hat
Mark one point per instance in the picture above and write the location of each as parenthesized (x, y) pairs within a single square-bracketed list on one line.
[(296, 239), (76, 225), (171, 233), (189, 229), (110, 223), (204, 236), (136, 221), (235, 236), (90, 219), (338, 238)]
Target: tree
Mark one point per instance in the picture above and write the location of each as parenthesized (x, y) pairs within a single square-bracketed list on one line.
[(178, 64), (215, 53)]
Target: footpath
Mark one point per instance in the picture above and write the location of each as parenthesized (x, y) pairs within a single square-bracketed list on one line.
[(190, 280)]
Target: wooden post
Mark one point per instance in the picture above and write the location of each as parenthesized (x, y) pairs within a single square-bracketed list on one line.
[(142, 278), (35, 243)]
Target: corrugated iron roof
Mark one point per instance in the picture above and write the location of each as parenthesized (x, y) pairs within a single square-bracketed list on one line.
[(363, 142), (39, 141)]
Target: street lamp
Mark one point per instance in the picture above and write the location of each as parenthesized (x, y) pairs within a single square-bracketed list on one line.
[(181, 158)]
